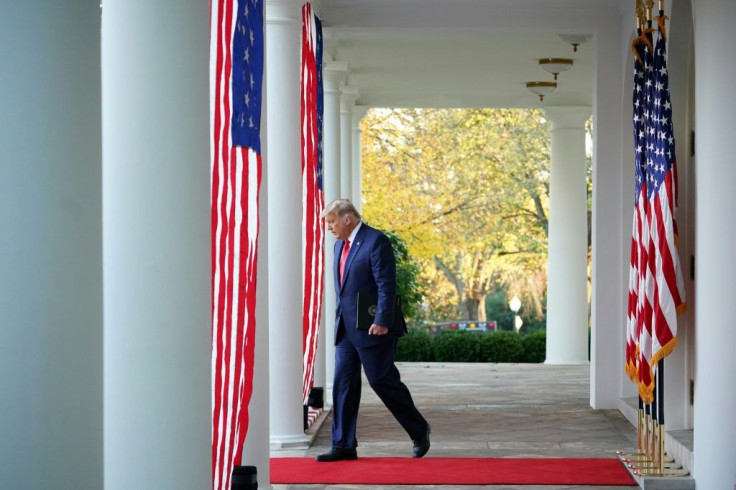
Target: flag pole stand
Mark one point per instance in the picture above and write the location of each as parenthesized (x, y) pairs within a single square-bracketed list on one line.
[(640, 453)]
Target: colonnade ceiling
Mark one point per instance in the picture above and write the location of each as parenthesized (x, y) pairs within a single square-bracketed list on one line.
[(463, 53)]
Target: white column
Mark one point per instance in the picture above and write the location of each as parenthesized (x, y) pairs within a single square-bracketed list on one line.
[(715, 263), (283, 38), (320, 362), (156, 243), (610, 233), (332, 75), (347, 100), (256, 449), (257, 440), (567, 279), (357, 144), (50, 246)]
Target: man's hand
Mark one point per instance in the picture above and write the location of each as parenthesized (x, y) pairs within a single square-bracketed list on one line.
[(377, 330)]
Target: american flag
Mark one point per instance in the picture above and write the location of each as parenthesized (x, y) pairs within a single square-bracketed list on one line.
[(640, 329), (656, 287), (312, 190), (669, 288), (236, 74), (635, 267), (643, 331)]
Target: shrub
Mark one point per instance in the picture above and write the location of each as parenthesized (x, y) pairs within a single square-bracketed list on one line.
[(415, 346), (501, 347), (497, 308), (457, 346), (534, 345)]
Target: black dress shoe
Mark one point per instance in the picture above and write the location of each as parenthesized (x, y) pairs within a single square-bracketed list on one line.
[(421, 445), (338, 454)]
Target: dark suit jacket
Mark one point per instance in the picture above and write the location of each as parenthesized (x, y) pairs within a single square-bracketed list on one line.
[(370, 267)]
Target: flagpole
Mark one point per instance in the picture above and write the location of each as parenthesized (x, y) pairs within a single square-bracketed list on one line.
[(632, 460), (650, 428), (640, 15), (642, 443), (647, 36), (659, 388), (656, 410), (644, 464)]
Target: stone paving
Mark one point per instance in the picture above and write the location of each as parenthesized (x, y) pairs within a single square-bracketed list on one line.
[(488, 410)]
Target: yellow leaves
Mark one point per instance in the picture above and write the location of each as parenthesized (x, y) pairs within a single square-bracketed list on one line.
[(468, 186)]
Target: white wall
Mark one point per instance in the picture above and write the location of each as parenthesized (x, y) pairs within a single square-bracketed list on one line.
[(678, 365), (50, 246), (715, 261)]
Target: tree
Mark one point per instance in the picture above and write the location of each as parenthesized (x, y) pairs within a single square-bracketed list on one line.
[(468, 191), (407, 271)]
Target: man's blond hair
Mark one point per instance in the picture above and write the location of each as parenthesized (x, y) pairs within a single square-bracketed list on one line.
[(341, 207)]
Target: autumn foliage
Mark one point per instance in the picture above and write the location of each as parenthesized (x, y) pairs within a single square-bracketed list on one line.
[(468, 191)]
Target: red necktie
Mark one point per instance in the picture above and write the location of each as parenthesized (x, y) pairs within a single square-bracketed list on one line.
[(344, 257)]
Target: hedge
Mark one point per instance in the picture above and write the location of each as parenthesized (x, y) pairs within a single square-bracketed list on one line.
[(415, 346), (535, 346), (463, 346), (501, 347), (458, 346)]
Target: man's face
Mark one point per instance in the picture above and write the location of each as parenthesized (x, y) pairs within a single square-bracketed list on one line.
[(341, 227)]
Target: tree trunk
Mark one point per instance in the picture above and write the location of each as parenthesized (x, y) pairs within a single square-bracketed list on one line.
[(482, 308), (474, 308)]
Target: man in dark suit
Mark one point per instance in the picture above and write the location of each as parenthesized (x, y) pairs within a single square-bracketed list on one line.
[(365, 262)]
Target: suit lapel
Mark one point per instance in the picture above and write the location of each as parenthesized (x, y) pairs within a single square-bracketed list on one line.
[(354, 249), (336, 265)]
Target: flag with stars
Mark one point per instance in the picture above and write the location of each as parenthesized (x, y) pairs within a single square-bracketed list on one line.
[(643, 330), (636, 267), (236, 74), (663, 257), (312, 191)]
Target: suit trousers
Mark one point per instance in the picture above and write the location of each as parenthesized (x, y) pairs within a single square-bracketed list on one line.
[(384, 378)]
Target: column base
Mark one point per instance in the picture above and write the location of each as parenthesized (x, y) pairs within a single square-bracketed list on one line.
[(296, 441), (554, 362), (301, 441)]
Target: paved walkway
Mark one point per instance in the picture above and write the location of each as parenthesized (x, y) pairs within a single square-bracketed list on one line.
[(489, 410)]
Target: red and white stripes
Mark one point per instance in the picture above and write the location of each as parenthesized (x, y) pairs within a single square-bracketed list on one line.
[(656, 285), (236, 177), (313, 197)]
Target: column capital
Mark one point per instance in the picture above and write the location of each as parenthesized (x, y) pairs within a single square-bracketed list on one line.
[(348, 96), (330, 39), (333, 74), (571, 117), (359, 112), (283, 11)]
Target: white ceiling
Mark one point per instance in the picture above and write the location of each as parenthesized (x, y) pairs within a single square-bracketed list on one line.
[(462, 53)]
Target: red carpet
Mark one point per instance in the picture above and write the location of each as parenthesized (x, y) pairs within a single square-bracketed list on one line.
[(449, 471)]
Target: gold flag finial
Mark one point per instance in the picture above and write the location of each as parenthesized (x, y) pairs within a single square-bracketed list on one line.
[(640, 15), (650, 6), (636, 14)]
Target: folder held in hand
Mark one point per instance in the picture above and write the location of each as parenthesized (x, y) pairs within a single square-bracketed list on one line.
[(367, 305)]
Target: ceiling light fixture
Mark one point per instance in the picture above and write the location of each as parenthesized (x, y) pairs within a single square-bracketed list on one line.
[(575, 39), (541, 88), (555, 65)]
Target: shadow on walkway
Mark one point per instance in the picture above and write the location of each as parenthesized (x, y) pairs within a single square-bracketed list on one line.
[(489, 410)]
